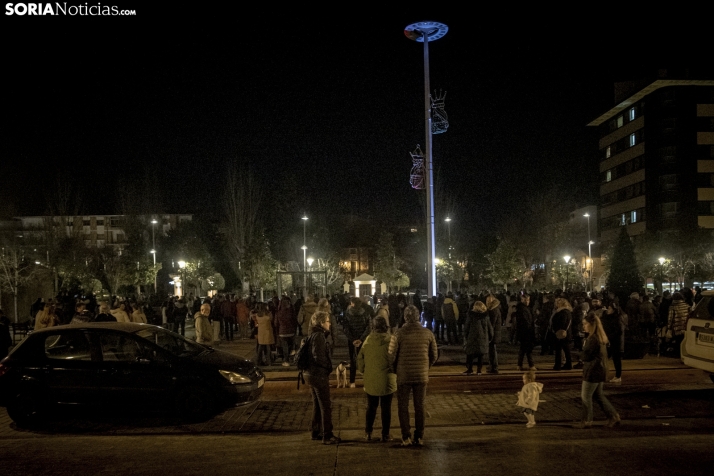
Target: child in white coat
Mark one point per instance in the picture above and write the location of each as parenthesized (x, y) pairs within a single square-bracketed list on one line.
[(529, 396)]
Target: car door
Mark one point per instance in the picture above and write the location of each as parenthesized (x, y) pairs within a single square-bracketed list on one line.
[(132, 374), (698, 344), (69, 367)]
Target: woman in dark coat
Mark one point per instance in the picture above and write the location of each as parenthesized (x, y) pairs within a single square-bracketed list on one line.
[(478, 332), (595, 374), (318, 378), (562, 321), (287, 328)]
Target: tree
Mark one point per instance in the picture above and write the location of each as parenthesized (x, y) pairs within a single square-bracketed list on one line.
[(15, 271), (386, 264), (260, 267), (624, 277), (241, 198), (505, 264)]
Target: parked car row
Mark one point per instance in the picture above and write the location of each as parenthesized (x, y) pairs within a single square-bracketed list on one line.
[(122, 365)]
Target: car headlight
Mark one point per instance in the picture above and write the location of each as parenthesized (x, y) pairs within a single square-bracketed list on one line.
[(235, 378)]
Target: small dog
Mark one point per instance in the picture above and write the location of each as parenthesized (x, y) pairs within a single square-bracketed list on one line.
[(341, 374)]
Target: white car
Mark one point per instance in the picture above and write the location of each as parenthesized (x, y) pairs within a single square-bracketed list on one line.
[(698, 345)]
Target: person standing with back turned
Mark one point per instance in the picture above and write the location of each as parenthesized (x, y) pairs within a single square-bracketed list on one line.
[(412, 352)]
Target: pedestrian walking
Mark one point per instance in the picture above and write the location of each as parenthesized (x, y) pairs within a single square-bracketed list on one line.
[(380, 382), (179, 312), (529, 397), (412, 352), (595, 374), (478, 333), (318, 378)]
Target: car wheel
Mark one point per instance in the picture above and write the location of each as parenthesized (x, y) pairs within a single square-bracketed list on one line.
[(27, 408), (194, 403)]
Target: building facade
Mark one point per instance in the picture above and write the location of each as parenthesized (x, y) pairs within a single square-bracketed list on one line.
[(657, 157), (97, 231)]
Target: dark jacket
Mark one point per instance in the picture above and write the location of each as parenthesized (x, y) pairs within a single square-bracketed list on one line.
[(478, 332), (494, 315), (525, 328), (562, 320), (320, 361), (286, 322), (356, 323), (594, 357), (412, 352)]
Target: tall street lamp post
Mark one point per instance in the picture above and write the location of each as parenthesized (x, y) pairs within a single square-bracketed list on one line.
[(424, 32), (153, 249), (567, 270), (590, 256)]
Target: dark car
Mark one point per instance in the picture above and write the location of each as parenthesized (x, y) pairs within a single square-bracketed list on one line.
[(117, 364)]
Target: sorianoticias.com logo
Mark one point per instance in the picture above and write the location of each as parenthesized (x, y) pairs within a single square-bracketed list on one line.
[(64, 9)]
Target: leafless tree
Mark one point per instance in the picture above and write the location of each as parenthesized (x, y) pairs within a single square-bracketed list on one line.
[(241, 200)]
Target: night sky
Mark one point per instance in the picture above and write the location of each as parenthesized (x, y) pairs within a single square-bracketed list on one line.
[(333, 98)]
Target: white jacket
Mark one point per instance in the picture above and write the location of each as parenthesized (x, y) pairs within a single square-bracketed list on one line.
[(529, 396)]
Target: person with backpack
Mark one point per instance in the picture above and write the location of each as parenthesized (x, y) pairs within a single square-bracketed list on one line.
[(318, 372)]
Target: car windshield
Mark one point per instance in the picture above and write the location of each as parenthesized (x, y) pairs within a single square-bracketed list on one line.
[(174, 343)]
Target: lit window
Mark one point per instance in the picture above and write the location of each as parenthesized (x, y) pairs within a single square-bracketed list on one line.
[(608, 152), (413, 230), (632, 139), (633, 216), (608, 176), (632, 114), (620, 121), (623, 220)]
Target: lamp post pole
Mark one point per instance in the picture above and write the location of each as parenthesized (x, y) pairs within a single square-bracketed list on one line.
[(424, 32), (590, 256), (567, 270), (153, 249)]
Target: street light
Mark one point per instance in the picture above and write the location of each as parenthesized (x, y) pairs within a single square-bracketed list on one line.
[(448, 224), (182, 265), (304, 244), (567, 270), (590, 256), (424, 32), (153, 253)]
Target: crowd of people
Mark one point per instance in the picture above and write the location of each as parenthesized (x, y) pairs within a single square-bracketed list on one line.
[(393, 341)]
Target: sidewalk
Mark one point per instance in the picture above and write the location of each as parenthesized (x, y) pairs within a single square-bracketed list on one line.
[(452, 360)]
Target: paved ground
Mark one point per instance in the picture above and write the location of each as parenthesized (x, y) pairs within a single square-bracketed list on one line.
[(654, 388)]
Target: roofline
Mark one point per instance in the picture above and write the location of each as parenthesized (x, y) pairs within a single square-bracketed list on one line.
[(652, 87)]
